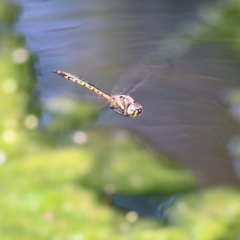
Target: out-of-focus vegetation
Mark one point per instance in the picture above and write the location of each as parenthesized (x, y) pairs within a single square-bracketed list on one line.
[(219, 24), (54, 168)]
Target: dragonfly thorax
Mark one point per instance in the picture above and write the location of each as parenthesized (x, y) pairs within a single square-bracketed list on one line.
[(126, 106)]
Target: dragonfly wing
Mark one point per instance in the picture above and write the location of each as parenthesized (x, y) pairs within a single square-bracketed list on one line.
[(186, 115), (137, 75)]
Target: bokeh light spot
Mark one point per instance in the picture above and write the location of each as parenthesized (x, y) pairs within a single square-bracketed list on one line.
[(9, 86), (31, 122), (20, 55), (79, 137), (9, 136)]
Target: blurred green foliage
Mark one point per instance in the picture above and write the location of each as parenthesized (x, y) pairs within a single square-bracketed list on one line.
[(51, 176), (220, 24)]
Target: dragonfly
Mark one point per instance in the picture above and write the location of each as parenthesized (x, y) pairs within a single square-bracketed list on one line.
[(123, 104)]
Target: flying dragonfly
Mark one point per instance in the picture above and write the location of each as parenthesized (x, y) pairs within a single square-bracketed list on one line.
[(120, 103)]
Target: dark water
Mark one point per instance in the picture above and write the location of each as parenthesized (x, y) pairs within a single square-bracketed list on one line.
[(185, 115), (99, 39)]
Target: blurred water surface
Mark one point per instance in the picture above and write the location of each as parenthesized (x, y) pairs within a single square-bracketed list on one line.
[(185, 115)]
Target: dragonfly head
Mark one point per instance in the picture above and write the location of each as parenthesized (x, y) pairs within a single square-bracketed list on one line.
[(134, 110)]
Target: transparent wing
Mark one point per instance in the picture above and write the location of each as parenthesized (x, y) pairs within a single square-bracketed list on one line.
[(185, 117), (136, 76)]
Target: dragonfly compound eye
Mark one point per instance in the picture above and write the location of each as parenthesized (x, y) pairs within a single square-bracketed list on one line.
[(134, 110)]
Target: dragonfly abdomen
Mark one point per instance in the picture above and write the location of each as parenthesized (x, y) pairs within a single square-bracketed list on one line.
[(85, 84)]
